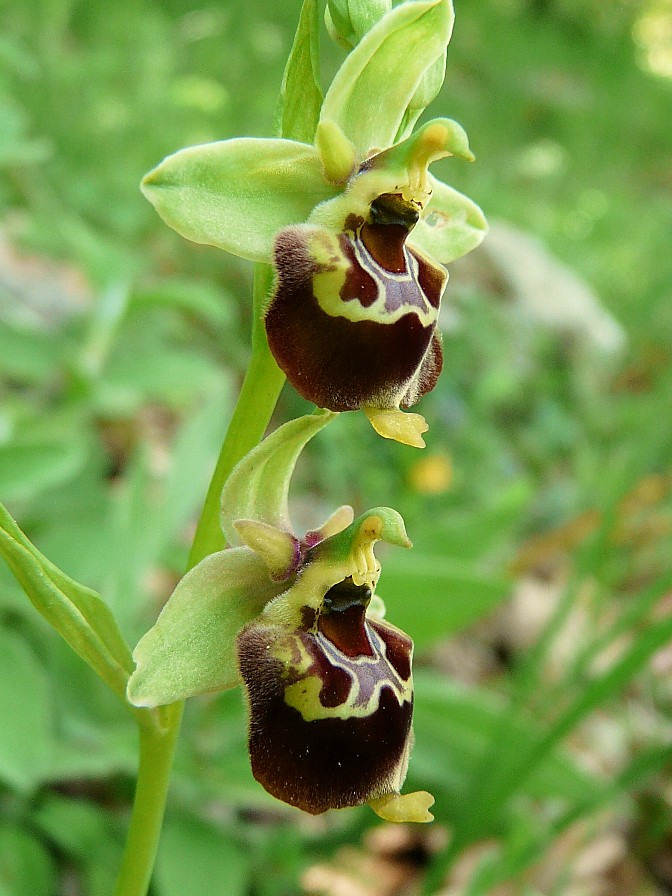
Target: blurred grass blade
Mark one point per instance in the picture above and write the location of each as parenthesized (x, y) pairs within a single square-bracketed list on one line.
[(78, 614), (631, 619), (455, 594), (608, 685), (510, 764)]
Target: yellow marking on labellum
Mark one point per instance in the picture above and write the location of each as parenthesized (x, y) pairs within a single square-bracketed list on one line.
[(304, 695), (328, 284), (292, 654)]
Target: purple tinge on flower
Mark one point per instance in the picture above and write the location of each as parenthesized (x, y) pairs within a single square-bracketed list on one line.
[(353, 319), (330, 703)]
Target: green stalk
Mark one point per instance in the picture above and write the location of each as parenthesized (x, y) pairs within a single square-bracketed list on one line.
[(157, 746), (257, 400), (158, 734)]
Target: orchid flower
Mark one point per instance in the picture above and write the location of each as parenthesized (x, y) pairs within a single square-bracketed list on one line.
[(296, 621), (357, 230)]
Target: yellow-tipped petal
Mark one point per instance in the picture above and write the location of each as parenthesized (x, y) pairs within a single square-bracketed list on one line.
[(336, 152), (339, 520), (405, 807), (278, 549), (391, 423)]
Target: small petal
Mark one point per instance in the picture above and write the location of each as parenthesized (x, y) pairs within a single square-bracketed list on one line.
[(336, 152), (191, 648), (237, 194), (280, 551), (339, 520)]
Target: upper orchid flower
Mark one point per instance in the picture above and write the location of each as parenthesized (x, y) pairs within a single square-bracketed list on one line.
[(328, 682), (356, 227)]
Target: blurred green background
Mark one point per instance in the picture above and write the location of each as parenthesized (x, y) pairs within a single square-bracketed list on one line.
[(539, 591)]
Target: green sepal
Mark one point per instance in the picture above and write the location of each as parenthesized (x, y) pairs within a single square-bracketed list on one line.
[(77, 613), (191, 647), (450, 226), (396, 53), (300, 98), (237, 194), (258, 486)]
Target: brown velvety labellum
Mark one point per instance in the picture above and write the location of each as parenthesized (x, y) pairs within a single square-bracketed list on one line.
[(330, 726), (344, 364)]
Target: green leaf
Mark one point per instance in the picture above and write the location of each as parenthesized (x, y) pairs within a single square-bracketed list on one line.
[(456, 727), (450, 226), (26, 868), (78, 614), (300, 95), (373, 89), (432, 597), (191, 648), (195, 858), (29, 353), (80, 829), (258, 486), (26, 708), (237, 194), (207, 300), (27, 468)]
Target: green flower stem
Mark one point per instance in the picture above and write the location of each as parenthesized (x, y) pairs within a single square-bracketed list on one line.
[(256, 403), (157, 745)]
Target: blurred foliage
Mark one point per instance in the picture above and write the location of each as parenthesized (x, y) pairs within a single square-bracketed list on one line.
[(121, 349)]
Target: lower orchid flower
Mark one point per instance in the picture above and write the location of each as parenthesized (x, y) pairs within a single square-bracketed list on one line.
[(328, 681)]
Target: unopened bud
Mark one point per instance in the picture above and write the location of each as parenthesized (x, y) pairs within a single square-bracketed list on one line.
[(349, 20)]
